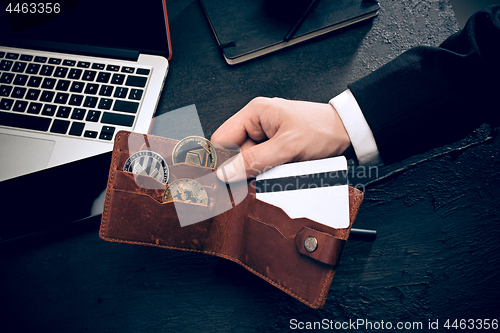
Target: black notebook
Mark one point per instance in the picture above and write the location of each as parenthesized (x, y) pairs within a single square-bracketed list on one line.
[(248, 29)]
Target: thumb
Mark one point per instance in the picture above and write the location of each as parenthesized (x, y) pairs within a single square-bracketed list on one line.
[(252, 161)]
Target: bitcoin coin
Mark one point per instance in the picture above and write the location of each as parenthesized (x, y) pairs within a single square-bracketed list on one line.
[(195, 150), (148, 163), (186, 190)]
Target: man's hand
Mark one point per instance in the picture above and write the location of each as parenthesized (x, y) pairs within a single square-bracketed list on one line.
[(273, 131)]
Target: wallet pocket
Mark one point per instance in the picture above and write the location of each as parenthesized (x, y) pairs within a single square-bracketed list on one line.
[(138, 218), (134, 183), (135, 212), (272, 245)]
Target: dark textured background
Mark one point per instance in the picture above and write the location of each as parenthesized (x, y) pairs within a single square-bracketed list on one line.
[(436, 255)]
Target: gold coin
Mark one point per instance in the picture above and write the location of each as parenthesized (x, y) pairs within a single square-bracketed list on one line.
[(195, 150), (186, 190)]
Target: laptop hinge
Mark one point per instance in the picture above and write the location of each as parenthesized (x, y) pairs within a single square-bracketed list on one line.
[(94, 51)]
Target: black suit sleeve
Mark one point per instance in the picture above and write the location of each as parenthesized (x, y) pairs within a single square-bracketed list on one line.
[(430, 96)]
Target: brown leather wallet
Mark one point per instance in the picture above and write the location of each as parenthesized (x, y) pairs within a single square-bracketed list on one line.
[(258, 236)]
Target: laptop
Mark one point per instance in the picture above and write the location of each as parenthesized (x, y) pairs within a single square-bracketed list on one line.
[(55, 97), (72, 75)]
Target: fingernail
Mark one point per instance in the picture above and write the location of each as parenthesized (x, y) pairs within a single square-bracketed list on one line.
[(226, 172)]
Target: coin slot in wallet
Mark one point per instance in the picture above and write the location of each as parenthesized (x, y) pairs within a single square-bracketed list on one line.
[(144, 185), (132, 183), (219, 198), (154, 223)]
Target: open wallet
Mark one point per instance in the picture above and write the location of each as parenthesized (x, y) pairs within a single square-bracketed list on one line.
[(297, 255)]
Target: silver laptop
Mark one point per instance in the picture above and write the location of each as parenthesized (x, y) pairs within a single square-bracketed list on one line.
[(69, 81)]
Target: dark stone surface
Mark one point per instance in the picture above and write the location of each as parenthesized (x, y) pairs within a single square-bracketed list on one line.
[(435, 257)]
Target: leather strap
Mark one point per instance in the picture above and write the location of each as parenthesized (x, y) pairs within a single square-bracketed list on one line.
[(328, 249)]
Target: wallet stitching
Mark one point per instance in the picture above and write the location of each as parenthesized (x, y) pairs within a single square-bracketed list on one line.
[(313, 304), (325, 233), (329, 276), (340, 230), (274, 283), (109, 187), (156, 199), (139, 193), (269, 225)]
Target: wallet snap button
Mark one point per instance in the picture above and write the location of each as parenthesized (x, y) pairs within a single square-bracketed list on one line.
[(310, 244)]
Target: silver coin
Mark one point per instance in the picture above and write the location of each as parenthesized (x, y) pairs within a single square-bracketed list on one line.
[(148, 163), (186, 190)]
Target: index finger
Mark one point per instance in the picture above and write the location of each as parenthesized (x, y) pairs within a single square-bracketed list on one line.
[(246, 123)]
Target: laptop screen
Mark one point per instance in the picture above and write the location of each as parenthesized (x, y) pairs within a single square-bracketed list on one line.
[(131, 25)]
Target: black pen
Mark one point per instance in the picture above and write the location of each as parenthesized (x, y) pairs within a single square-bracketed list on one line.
[(363, 234), (297, 25)]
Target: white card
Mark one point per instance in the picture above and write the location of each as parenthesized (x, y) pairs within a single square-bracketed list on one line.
[(303, 189)]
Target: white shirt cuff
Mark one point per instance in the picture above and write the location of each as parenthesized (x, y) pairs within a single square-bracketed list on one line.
[(357, 128)]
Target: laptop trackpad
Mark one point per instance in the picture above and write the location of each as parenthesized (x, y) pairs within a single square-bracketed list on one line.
[(21, 155)]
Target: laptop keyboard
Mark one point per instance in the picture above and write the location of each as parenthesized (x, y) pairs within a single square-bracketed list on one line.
[(70, 97)]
